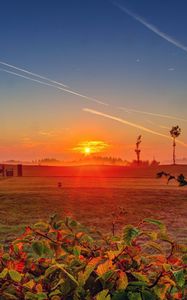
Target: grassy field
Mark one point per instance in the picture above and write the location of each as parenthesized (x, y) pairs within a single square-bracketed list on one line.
[(91, 200)]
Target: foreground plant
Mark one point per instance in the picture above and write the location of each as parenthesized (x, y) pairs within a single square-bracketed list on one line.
[(63, 260)]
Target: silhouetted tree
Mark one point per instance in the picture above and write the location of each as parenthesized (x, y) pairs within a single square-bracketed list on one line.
[(137, 150), (175, 132)]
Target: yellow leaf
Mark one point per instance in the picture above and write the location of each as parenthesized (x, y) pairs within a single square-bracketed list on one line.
[(122, 281), (169, 280), (153, 235), (39, 288), (14, 275), (103, 295), (140, 276), (166, 267), (3, 273), (30, 284), (94, 261), (104, 267), (113, 254)]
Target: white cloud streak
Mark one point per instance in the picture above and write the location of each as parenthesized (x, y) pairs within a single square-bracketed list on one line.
[(62, 87), (95, 112), (152, 114), (151, 27), (54, 86), (31, 73)]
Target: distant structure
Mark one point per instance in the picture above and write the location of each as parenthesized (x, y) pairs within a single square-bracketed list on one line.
[(19, 170), (9, 172), (137, 149), (2, 170), (175, 132)]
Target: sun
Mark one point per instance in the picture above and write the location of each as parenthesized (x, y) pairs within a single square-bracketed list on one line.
[(91, 147), (87, 150)]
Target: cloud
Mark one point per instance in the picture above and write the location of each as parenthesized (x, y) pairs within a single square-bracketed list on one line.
[(31, 73), (95, 112), (152, 114), (54, 86), (164, 127), (128, 110), (151, 27), (28, 142), (171, 69), (46, 133)]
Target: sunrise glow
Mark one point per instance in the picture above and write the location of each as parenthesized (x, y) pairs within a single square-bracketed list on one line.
[(91, 147), (87, 150)]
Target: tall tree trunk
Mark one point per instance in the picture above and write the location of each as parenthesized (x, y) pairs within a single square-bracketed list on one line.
[(174, 145)]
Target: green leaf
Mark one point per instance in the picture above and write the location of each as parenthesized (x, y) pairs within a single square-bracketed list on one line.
[(184, 258), (154, 245), (160, 291), (39, 296), (50, 270), (155, 222), (106, 276), (179, 277), (129, 233), (73, 223), (138, 283), (41, 225), (14, 275), (9, 296), (83, 276), (61, 281), (140, 277), (103, 295), (134, 296), (3, 273), (54, 293), (120, 295), (77, 250), (147, 295), (38, 248), (42, 296), (30, 296), (6, 256), (67, 273)]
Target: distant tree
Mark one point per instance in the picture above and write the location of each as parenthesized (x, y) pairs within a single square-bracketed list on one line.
[(154, 163), (137, 150), (175, 132)]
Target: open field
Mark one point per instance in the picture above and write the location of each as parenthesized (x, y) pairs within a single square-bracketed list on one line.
[(98, 171), (91, 200)]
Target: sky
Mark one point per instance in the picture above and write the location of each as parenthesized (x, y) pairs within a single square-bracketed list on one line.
[(116, 69)]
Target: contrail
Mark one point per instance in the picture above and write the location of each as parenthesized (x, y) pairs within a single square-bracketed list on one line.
[(33, 74), (95, 112), (72, 92), (152, 114), (151, 27), (54, 86)]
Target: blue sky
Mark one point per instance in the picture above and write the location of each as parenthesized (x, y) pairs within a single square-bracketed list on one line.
[(98, 50)]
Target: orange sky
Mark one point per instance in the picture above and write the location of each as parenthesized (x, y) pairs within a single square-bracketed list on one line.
[(97, 72)]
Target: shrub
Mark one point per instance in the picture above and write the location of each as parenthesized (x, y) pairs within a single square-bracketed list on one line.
[(63, 260)]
